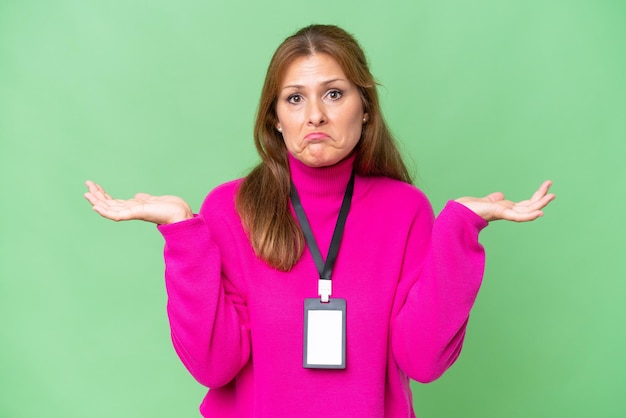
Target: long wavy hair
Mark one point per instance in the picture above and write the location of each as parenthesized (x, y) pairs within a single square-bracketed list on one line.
[(263, 198)]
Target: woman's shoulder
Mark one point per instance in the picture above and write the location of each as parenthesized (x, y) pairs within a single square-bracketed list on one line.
[(396, 191), (222, 197)]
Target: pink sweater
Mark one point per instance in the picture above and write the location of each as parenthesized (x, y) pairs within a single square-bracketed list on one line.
[(409, 283)]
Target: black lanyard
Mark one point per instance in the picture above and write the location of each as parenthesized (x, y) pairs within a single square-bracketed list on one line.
[(324, 268)]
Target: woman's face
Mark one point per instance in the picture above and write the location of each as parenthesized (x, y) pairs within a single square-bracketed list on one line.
[(320, 112)]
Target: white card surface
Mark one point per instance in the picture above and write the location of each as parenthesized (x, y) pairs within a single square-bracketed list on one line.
[(324, 339)]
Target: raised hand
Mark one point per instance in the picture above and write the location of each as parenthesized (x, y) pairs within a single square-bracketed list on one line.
[(143, 207), (494, 207)]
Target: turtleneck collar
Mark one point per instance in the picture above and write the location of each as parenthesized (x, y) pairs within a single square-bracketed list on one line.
[(322, 182)]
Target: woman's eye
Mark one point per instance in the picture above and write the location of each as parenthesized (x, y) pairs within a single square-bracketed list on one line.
[(294, 98), (335, 94)]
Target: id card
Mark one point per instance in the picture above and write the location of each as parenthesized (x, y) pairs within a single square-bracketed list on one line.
[(324, 334)]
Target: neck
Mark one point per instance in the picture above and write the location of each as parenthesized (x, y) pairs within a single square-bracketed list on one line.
[(322, 182)]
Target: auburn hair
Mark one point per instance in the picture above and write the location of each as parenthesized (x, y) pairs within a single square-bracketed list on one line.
[(262, 200)]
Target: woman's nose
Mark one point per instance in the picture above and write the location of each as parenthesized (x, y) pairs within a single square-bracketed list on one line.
[(316, 113)]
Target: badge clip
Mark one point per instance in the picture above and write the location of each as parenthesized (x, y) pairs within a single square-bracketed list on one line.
[(325, 289)]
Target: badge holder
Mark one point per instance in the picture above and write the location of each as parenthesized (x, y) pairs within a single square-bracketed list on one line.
[(324, 331)]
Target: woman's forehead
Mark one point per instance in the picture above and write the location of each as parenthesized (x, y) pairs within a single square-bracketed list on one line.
[(318, 67)]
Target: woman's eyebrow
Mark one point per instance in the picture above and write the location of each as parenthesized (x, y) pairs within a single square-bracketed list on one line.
[(325, 83)]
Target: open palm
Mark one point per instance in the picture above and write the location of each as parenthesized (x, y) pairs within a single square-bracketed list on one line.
[(144, 207), (494, 206)]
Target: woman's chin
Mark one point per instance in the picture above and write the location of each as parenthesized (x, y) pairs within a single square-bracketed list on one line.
[(319, 162), (321, 159)]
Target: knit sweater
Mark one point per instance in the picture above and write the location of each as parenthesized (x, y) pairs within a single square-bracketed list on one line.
[(409, 282)]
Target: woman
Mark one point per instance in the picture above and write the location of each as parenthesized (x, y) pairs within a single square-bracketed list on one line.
[(238, 272)]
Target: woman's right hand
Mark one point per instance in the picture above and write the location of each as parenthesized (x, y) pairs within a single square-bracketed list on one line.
[(144, 207)]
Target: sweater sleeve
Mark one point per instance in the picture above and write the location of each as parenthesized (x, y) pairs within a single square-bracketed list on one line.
[(442, 273), (208, 318)]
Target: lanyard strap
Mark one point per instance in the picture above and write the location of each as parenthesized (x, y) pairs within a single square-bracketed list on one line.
[(324, 268)]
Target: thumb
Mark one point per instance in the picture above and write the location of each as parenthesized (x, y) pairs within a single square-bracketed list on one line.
[(495, 197)]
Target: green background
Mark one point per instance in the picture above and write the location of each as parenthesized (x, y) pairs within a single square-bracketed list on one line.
[(160, 96)]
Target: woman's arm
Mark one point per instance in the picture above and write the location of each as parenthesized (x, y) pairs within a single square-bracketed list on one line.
[(442, 275), (208, 318)]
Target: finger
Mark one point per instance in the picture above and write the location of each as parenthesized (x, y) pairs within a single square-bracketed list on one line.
[(109, 214), (91, 198), (142, 196), (513, 215), (97, 191), (542, 191), (101, 190), (96, 198), (114, 210), (542, 203), (529, 211), (91, 186)]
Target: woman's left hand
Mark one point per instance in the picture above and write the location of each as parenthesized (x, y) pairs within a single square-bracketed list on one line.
[(494, 207)]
